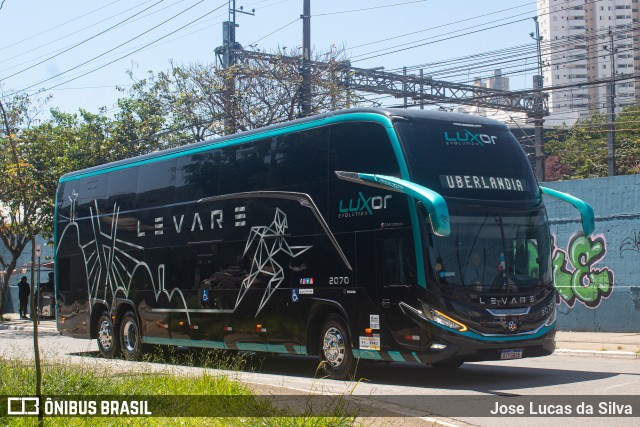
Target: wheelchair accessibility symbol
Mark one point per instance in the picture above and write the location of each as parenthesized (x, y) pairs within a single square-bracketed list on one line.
[(205, 295), (294, 295)]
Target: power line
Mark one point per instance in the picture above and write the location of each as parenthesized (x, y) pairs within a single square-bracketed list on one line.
[(367, 8), (124, 56), (118, 46), (60, 25), (83, 41)]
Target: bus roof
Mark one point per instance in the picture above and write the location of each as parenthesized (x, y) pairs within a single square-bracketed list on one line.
[(354, 114)]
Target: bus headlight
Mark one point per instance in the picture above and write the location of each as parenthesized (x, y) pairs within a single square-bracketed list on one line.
[(552, 316), (441, 318)]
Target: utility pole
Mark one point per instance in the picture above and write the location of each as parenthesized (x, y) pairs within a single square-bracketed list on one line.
[(611, 118), (538, 112), (227, 58), (305, 89), (225, 52)]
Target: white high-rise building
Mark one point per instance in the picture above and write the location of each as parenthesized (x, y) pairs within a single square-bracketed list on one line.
[(576, 40)]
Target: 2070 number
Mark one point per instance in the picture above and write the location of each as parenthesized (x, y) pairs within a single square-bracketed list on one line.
[(339, 280)]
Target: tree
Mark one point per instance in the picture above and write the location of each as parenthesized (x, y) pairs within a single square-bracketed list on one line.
[(580, 151), (199, 101), (23, 204)]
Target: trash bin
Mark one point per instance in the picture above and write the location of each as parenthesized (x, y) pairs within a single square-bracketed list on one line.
[(46, 307)]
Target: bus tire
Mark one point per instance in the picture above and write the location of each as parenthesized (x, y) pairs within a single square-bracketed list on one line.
[(447, 364), (130, 337), (336, 357), (107, 338)]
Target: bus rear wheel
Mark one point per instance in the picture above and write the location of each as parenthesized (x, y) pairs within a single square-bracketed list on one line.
[(130, 338), (107, 338), (336, 356)]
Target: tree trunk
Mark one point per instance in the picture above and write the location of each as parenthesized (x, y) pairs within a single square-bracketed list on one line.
[(4, 286)]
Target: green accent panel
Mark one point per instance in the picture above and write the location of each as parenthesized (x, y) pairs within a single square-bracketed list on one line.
[(586, 211), (434, 202), (367, 354), (300, 349), (415, 356), (249, 346), (185, 342), (277, 348), (396, 356)]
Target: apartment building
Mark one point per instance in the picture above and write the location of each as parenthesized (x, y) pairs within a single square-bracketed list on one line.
[(577, 36)]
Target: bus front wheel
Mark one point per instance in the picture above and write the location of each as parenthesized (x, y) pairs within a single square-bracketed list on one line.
[(336, 356), (108, 343), (130, 338)]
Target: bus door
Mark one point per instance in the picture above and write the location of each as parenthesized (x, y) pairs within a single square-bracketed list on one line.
[(397, 281)]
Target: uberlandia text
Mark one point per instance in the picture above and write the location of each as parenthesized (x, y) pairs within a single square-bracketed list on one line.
[(603, 408)]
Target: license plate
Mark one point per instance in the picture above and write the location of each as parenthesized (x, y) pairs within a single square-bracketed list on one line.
[(511, 354)]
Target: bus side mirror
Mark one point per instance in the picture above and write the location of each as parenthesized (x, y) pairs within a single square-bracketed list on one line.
[(432, 201), (586, 211)]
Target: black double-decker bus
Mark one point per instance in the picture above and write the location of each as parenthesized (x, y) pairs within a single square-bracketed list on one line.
[(393, 235)]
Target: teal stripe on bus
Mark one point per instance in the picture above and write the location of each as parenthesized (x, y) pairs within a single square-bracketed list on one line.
[(300, 349), (396, 356), (367, 354), (277, 348), (185, 342)]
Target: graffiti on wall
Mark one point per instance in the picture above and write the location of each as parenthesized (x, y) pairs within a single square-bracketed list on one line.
[(631, 243), (575, 275)]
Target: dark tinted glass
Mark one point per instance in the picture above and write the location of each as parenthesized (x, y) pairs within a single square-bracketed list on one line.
[(89, 194), (245, 167), (156, 183), (300, 158), (362, 147), (121, 188), (198, 176), (467, 161)]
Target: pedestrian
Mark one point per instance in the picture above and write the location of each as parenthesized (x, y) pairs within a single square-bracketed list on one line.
[(24, 289)]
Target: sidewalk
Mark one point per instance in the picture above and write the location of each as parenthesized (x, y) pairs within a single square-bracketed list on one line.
[(601, 344), (15, 323)]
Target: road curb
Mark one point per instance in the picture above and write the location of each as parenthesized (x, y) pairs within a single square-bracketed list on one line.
[(44, 329), (599, 353)]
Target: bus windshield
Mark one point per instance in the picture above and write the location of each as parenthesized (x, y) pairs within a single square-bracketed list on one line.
[(493, 251), (467, 161)]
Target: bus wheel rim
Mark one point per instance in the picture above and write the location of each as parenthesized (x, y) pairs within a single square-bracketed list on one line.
[(130, 336), (105, 335), (333, 347)]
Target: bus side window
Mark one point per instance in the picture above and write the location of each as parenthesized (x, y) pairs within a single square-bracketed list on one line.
[(243, 168), (300, 158), (398, 262), (362, 147), (156, 183), (121, 188), (89, 191)]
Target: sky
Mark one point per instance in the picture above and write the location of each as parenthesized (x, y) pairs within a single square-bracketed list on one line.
[(79, 51)]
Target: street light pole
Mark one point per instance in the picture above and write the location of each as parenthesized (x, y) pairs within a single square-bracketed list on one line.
[(39, 307)]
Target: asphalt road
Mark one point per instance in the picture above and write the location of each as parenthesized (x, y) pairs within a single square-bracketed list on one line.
[(405, 389)]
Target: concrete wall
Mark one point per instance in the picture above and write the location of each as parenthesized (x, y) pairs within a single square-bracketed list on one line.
[(598, 278)]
